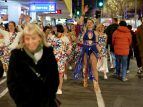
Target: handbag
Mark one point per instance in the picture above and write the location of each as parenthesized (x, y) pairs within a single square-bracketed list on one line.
[(57, 100)]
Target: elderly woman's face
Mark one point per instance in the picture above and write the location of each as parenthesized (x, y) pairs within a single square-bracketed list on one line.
[(32, 42)]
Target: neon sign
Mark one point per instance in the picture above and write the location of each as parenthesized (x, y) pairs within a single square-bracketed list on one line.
[(57, 12), (42, 7)]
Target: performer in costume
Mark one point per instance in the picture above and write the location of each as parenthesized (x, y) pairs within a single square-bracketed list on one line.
[(79, 46), (102, 40), (88, 58), (2, 49), (48, 35), (67, 56), (11, 39), (60, 43), (74, 39)]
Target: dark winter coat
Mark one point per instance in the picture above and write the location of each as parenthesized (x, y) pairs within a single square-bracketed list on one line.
[(26, 89), (109, 35), (139, 37), (135, 46)]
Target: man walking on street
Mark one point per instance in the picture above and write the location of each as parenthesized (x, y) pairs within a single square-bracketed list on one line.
[(121, 41), (109, 31)]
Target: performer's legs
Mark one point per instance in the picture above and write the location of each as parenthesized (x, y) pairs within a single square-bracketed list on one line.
[(94, 70), (85, 70), (61, 81), (66, 69)]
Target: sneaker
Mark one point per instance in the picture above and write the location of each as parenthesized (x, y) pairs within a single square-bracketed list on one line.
[(139, 71), (142, 77), (4, 74), (128, 71), (59, 91), (65, 76), (70, 68), (105, 77), (124, 79)]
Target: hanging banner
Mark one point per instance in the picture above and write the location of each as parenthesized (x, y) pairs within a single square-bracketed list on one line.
[(33, 7)]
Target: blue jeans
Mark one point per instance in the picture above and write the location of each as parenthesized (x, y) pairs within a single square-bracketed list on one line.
[(121, 60), (114, 58)]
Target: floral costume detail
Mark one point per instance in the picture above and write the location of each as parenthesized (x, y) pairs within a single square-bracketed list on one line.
[(7, 51), (79, 45), (72, 55), (102, 64), (89, 47), (101, 41), (1, 49), (60, 52)]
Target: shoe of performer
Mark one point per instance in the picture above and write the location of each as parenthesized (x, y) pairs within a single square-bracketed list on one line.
[(70, 68), (105, 77), (59, 91), (65, 77), (85, 84), (128, 71), (4, 74)]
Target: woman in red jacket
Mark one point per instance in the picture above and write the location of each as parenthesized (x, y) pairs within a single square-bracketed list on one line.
[(121, 41)]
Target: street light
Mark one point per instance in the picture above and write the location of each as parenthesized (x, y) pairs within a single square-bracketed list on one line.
[(100, 3)]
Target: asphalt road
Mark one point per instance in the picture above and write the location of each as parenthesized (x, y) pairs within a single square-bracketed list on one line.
[(114, 92)]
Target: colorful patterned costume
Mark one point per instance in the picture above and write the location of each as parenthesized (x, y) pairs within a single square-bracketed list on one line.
[(102, 64), (73, 36), (11, 40), (79, 46), (89, 47), (7, 51), (1, 49), (60, 51)]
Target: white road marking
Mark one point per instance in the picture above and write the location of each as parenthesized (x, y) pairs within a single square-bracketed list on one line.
[(4, 92), (100, 100), (2, 81)]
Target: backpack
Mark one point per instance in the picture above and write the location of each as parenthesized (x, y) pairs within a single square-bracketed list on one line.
[(109, 40)]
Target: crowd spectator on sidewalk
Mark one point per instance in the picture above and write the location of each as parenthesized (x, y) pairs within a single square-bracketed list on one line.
[(109, 31), (121, 41), (139, 37)]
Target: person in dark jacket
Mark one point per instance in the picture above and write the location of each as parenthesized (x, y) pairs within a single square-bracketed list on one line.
[(137, 54), (130, 49), (33, 76), (139, 38), (109, 31)]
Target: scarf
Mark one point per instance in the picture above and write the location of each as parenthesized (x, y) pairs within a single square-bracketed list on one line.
[(31, 53)]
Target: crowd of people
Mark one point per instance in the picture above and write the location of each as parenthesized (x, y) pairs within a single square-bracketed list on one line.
[(36, 57)]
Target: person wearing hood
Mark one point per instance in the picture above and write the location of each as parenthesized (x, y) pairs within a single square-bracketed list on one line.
[(121, 41)]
